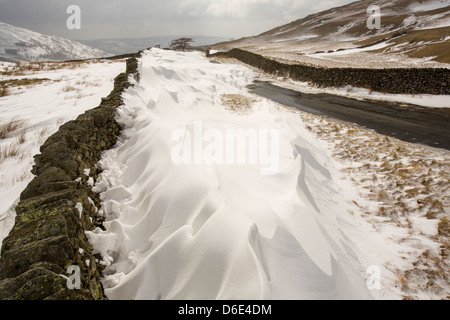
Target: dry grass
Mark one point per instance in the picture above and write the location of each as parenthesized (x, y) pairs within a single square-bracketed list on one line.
[(4, 91), (237, 103), (6, 85), (78, 88), (407, 182), (12, 151), (69, 88), (23, 82), (26, 68), (43, 134), (419, 43), (80, 95), (441, 52), (22, 138), (7, 130), (9, 127)]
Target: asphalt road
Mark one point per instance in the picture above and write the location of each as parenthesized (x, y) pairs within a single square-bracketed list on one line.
[(429, 126)]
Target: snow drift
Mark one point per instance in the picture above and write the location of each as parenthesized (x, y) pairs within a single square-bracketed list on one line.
[(219, 231)]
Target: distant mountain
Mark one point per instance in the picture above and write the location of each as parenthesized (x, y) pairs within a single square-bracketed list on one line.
[(18, 44), (129, 45), (417, 28)]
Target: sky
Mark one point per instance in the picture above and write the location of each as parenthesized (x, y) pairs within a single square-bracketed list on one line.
[(144, 18)]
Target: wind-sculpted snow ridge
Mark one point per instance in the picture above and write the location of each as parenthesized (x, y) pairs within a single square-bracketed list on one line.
[(212, 230)]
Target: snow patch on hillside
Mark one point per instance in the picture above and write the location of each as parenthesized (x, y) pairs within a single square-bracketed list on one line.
[(428, 5)]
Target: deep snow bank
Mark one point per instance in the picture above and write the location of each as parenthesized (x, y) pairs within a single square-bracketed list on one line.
[(219, 229)]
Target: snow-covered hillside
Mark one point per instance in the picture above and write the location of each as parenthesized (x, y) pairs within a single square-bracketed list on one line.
[(350, 21), (18, 44), (411, 33), (214, 193)]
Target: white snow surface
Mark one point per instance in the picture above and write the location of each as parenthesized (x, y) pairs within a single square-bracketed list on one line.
[(423, 100), (217, 231), (43, 108), (428, 5), (33, 46)]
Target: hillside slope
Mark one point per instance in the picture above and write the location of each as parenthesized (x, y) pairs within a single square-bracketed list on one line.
[(412, 33), (18, 44)]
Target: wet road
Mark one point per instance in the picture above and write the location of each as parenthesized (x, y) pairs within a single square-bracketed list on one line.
[(410, 123)]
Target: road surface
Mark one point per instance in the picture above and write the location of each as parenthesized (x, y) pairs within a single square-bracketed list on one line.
[(429, 126)]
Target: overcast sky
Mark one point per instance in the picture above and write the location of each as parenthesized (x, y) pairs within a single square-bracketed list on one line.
[(144, 18)]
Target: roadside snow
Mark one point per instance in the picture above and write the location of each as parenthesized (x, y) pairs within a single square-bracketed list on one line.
[(404, 193), (40, 108), (424, 100), (217, 231), (351, 57)]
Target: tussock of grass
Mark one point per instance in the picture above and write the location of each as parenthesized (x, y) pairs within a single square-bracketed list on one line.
[(22, 138), (68, 88), (4, 91), (237, 102), (80, 95), (7, 128), (12, 151), (444, 227)]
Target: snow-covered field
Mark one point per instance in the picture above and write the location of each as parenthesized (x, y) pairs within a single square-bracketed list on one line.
[(213, 193), (39, 98)]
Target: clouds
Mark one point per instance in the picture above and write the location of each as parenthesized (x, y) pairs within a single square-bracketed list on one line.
[(257, 9), (221, 8), (137, 18)]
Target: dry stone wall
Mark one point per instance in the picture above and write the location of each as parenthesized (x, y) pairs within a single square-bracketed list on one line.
[(58, 207), (396, 81)]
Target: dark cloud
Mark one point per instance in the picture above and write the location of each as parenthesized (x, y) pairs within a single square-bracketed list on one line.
[(138, 18)]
